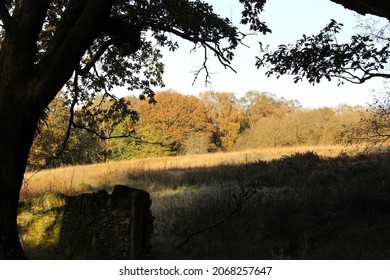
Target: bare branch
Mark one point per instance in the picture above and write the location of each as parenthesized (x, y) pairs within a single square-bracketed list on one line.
[(203, 67), (219, 54), (380, 75), (71, 110), (129, 135), (223, 60)]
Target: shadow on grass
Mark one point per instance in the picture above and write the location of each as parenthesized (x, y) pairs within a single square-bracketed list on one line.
[(303, 207), (298, 207)]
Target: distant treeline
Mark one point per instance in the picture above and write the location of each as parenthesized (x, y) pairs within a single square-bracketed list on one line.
[(179, 124)]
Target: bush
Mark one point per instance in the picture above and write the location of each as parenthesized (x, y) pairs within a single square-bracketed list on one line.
[(299, 128)]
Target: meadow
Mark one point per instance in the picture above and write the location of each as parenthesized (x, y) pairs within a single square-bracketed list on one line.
[(324, 202), (150, 173)]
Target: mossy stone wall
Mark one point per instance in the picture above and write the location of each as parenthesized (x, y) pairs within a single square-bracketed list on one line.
[(88, 226)]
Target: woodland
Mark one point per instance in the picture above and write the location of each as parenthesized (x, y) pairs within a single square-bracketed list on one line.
[(88, 47), (179, 124)]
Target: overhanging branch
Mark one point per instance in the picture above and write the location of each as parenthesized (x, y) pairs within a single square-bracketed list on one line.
[(377, 8), (207, 45), (66, 51), (95, 58)]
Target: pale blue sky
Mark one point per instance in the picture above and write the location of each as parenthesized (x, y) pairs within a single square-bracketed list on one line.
[(288, 21)]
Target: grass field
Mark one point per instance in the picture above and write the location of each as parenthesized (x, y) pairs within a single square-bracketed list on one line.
[(262, 204), (83, 178)]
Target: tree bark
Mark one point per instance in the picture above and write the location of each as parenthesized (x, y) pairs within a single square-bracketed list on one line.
[(28, 86), (18, 123)]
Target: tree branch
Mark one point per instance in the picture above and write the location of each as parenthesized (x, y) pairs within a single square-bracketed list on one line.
[(18, 51), (68, 129), (122, 31), (66, 51), (203, 67), (378, 75), (206, 45), (223, 60), (318, 57), (95, 57), (377, 8), (129, 135)]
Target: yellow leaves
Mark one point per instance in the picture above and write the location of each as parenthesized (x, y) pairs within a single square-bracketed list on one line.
[(227, 116)]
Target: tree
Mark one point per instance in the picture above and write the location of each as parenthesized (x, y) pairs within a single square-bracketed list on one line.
[(91, 46), (226, 116), (166, 127), (263, 104), (47, 145), (175, 117), (373, 128), (320, 56), (299, 128), (317, 57), (365, 57), (54, 145)]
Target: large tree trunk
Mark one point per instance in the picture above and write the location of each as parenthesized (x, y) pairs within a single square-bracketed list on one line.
[(18, 123), (28, 82)]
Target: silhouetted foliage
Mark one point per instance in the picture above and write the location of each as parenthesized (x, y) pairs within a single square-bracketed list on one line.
[(320, 56)]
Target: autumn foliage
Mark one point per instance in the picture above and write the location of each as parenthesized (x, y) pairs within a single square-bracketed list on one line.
[(178, 124)]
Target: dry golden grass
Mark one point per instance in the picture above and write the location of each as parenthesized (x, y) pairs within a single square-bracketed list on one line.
[(83, 178), (256, 211)]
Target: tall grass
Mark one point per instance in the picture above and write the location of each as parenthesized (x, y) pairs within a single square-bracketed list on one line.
[(303, 207), (275, 204), (151, 172)]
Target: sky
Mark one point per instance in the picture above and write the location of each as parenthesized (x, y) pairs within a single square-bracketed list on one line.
[(288, 20)]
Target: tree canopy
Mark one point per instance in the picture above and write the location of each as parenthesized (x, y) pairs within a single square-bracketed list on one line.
[(320, 56)]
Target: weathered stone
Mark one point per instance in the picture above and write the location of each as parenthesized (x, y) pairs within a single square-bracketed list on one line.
[(101, 226)]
